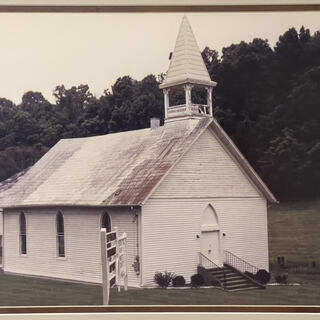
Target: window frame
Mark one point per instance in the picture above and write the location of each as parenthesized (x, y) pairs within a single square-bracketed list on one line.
[(109, 227), (60, 236), (23, 250)]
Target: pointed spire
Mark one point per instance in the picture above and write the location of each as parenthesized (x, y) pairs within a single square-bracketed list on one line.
[(186, 65)]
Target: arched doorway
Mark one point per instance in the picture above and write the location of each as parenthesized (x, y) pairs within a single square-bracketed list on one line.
[(210, 236)]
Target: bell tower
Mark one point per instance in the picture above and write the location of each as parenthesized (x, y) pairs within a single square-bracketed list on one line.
[(187, 71)]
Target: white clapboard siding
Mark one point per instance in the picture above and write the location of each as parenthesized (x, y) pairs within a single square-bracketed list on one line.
[(127, 221), (82, 243), (171, 217), (206, 170), (170, 229)]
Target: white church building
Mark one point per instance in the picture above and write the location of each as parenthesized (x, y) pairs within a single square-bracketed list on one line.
[(182, 192)]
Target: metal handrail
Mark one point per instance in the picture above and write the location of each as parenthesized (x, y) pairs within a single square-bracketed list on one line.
[(210, 262), (239, 263), (211, 265)]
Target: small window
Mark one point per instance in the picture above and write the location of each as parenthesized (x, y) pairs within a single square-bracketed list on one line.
[(23, 234), (60, 235), (106, 222)]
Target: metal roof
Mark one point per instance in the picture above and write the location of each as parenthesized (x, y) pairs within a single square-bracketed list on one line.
[(186, 65), (10, 182), (120, 169), (113, 169)]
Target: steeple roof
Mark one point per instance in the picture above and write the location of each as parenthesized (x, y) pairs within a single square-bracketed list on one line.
[(186, 65)]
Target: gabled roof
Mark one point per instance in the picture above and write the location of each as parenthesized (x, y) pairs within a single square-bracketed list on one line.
[(5, 185), (120, 169), (186, 65), (242, 161), (113, 169)]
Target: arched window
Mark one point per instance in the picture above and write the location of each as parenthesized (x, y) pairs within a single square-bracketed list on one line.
[(106, 222), (60, 235), (23, 234)]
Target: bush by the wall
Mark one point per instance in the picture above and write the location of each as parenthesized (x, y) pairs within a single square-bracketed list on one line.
[(163, 279), (178, 281), (262, 276), (215, 283), (197, 280), (249, 274), (282, 278)]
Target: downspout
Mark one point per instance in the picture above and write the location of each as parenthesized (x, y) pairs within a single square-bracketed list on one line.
[(137, 263)]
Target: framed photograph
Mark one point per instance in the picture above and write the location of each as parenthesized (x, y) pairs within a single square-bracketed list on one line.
[(159, 158)]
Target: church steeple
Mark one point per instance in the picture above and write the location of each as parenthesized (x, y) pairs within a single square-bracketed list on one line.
[(187, 70)]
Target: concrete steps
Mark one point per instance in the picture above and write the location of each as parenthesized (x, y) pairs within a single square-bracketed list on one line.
[(232, 279)]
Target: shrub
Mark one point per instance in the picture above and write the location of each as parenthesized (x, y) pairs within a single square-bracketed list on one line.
[(215, 283), (262, 276), (282, 278), (249, 274), (178, 281), (197, 280), (163, 279)]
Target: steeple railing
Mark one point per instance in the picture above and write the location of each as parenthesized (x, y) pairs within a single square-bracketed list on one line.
[(181, 110), (177, 110), (203, 109)]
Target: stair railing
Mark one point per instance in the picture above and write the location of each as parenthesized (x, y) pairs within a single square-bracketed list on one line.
[(238, 263), (206, 263)]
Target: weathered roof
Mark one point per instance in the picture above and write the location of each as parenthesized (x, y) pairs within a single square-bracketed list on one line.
[(186, 65), (114, 169), (10, 182)]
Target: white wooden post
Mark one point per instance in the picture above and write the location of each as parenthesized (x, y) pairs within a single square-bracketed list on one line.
[(209, 100), (188, 88), (117, 259), (126, 262), (105, 267), (166, 102)]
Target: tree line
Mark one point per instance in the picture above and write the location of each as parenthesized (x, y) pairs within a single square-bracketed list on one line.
[(267, 99)]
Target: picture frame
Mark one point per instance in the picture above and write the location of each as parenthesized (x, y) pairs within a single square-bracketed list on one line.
[(224, 312)]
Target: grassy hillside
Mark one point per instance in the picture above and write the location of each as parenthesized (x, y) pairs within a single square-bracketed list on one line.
[(294, 232)]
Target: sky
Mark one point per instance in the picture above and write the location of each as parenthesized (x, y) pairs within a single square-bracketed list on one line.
[(39, 51)]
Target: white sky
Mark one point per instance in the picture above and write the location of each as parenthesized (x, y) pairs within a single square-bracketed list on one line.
[(39, 51)]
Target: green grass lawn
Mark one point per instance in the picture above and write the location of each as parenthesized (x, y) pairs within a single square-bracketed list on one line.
[(293, 233), (281, 295), (19, 291)]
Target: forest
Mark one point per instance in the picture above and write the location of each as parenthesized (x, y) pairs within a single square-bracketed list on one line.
[(267, 99)]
